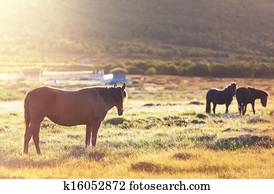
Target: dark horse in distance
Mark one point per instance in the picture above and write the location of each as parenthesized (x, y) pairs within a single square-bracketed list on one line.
[(248, 95), (87, 106), (216, 96)]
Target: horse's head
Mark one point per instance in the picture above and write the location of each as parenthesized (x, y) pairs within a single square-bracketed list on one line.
[(232, 88), (264, 99), (119, 95), (259, 94)]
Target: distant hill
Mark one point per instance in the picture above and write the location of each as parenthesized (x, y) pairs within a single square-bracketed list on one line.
[(134, 29)]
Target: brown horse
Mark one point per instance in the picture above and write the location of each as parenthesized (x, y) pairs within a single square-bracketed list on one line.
[(248, 95), (87, 106)]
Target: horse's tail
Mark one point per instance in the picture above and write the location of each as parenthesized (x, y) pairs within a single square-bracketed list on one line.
[(207, 105), (27, 112)]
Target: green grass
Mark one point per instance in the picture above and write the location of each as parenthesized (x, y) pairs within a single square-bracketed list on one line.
[(162, 137)]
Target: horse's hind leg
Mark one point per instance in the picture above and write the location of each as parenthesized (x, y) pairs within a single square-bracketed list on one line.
[(27, 137), (88, 134), (244, 108), (240, 108), (35, 128), (214, 108), (95, 127)]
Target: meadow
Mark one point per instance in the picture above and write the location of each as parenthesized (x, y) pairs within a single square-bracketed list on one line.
[(164, 133)]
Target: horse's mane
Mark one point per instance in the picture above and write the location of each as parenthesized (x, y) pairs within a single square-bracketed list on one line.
[(251, 88), (257, 90), (107, 92), (233, 84)]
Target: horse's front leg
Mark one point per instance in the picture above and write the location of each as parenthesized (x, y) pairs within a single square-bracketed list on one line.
[(95, 126), (253, 107), (88, 134), (226, 111)]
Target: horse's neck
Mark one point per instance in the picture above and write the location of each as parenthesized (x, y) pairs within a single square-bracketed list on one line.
[(107, 99), (257, 94), (226, 91)]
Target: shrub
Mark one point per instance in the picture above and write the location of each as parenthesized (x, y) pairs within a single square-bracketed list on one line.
[(243, 141), (199, 69), (167, 68), (96, 155), (190, 68), (151, 71), (218, 70), (182, 156), (239, 70), (263, 71), (154, 168), (138, 67)]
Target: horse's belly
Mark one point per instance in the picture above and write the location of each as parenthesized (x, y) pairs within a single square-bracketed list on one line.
[(221, 102), (64, 122), (69, 119)]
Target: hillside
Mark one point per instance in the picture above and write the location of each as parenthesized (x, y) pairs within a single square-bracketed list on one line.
[(157, 29)]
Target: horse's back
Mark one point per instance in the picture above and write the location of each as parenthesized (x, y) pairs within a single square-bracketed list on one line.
[(210, 93), (41, 94), (218, 96), (47, 93), (213, 93), (242, 94)]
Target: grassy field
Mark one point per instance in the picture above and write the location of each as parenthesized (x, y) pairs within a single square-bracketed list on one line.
[(164, 133)]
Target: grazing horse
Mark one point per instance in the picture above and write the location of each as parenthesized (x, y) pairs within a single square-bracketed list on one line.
[(248, 95), (87, 106), (216, 96)]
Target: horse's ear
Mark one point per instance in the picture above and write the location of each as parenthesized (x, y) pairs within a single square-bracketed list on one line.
[(124, 86), (233, 84), (115, 85)]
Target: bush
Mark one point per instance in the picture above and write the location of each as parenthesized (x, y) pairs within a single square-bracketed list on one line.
[(239, 70), (199, 69), (182, 156), (263, 71), (137, 67), (190, 68), (167, 69), (218, 70), (151, 71), (243, 141)]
